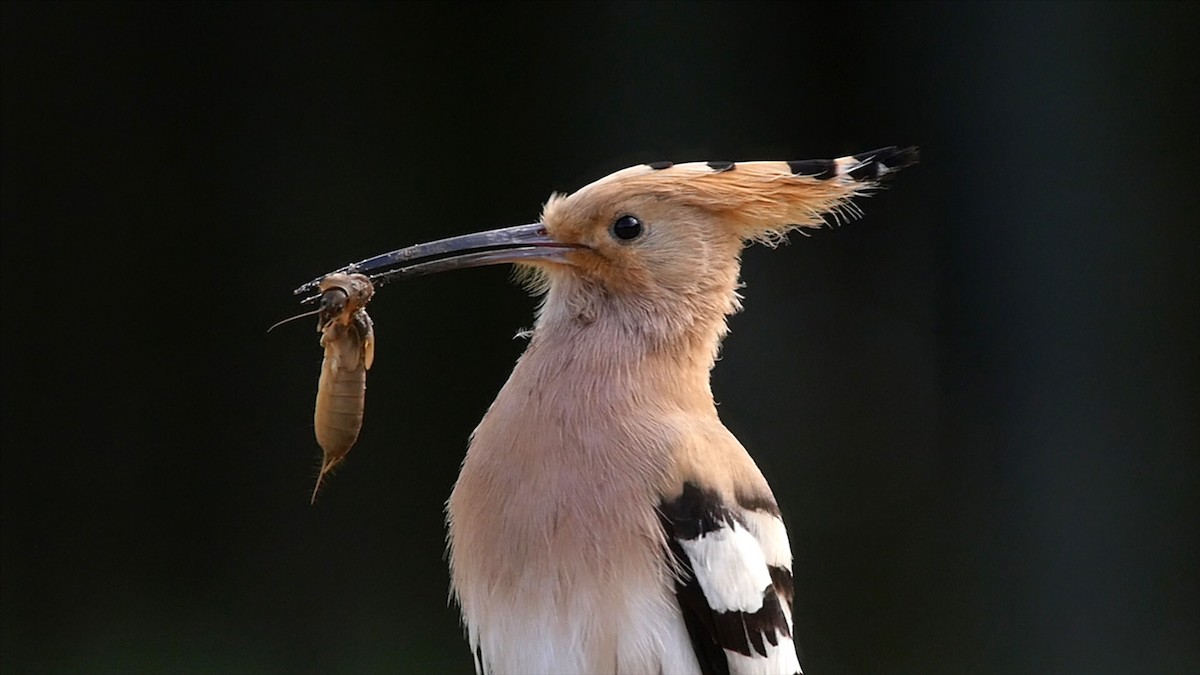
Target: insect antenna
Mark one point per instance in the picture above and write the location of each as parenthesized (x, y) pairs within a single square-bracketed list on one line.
[(293, 318)]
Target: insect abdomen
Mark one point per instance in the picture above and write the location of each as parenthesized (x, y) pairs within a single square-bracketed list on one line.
[(341, 392)]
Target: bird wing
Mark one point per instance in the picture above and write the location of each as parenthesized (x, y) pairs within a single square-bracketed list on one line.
[(733, 581)]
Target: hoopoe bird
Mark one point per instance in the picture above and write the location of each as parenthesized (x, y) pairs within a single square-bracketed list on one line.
[(605, 520)]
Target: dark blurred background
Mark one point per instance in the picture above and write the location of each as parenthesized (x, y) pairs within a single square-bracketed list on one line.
[(978, 405)]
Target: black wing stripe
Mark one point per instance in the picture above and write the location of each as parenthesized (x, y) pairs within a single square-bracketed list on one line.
[(781, 579), (697, 615)]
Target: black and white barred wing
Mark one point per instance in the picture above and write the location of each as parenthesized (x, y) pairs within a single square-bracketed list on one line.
[(735, 582)]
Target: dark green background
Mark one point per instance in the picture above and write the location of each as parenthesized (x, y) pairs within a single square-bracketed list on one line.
[(978, 405)]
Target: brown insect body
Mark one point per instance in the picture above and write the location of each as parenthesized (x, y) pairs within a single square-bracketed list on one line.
[(348, 336)]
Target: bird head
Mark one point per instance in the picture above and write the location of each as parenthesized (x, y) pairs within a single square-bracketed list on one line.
[(655, 248)]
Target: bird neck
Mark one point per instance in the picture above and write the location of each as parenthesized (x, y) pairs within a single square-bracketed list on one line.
[(656, 348)]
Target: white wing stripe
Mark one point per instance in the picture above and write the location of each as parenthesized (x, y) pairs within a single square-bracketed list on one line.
[(730, 568), (768, 529), (779, 659)]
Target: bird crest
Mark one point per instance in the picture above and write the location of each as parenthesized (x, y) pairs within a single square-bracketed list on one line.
[(761, 200)]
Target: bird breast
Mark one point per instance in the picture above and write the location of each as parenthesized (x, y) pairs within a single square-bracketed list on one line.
[(555, 542)]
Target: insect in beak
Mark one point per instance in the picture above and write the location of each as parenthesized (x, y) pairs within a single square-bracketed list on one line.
[(523, 243)]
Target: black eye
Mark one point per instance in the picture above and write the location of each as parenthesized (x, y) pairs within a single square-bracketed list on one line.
[(627, 228)]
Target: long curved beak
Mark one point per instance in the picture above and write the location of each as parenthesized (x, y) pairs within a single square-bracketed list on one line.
[(523, 243)]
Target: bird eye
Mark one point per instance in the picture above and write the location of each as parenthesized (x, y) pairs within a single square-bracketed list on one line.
[(627, 228)]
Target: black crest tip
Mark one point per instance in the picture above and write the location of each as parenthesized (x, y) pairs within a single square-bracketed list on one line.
[(891, 157), (879, 164)]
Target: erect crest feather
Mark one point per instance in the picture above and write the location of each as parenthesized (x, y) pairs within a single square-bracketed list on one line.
[(761, 201)]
